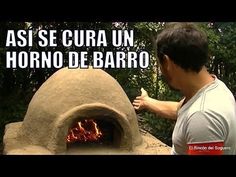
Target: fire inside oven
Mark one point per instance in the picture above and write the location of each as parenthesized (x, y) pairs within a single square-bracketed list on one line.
[(94, 132)]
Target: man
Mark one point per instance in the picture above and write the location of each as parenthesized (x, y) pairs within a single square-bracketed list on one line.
[(206, 117)]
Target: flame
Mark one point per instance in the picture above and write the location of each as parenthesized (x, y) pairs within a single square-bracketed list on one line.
[(84, 131)]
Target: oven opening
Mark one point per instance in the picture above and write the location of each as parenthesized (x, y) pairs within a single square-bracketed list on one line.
[(90, 133)]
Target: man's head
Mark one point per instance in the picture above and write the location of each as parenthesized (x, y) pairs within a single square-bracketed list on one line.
[(181, 46)]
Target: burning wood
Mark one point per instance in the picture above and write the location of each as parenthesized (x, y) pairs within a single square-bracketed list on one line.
[(84, 131)]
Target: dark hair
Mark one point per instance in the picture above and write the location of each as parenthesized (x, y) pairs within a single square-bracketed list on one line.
[(185, 44)]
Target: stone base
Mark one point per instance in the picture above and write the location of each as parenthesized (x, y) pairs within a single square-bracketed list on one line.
[(13, 146)]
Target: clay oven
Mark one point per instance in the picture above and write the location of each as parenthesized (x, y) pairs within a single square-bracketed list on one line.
[(79, 111)]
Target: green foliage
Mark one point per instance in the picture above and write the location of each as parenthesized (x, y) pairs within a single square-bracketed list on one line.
[(157, 126), (222, 56)]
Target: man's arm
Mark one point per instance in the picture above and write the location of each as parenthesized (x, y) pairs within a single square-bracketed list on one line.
[(167, 109)]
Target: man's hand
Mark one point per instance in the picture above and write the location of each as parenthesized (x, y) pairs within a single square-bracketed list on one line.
[(167, 109), (139, 102)]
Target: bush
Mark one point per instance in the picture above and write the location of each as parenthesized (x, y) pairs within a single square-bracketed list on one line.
[(159, 127)]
